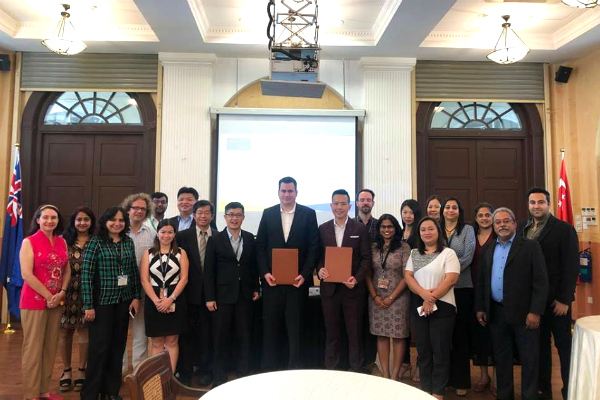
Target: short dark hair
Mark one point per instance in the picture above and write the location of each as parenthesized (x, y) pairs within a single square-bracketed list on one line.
[(537, 189), (441, 243), (460, 224), (340, 192), (203, 203), (189, 190), (288, 179), (165, 222), (70, 234), (158, 195), (365, 190), (107, 216), (396, 240), (38, 213), (234, 204)]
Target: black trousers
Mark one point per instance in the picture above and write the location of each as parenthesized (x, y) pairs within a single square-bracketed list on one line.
[(235, 317), (195, 344), (460, 365), (282, 310), (560, 328), (339, 310), (107, 340), (504, 334), (434, 343)]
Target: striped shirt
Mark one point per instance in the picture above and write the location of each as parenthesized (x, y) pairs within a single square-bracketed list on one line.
[(103, 262)]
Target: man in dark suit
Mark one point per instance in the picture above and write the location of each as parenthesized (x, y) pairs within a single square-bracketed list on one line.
[(511, 293), (231, 285), (196, 344), (344, 299), (287, 225), (560, 246), (186, 198)]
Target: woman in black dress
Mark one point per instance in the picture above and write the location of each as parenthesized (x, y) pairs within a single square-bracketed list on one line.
[(164, 274)]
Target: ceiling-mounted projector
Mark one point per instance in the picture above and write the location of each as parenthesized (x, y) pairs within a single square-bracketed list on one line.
[(294, 60)]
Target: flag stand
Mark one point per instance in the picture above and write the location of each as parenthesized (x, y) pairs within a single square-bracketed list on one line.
[(9, 330)]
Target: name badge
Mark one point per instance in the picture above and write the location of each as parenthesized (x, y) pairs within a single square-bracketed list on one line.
[(122, 280), (383, 283)]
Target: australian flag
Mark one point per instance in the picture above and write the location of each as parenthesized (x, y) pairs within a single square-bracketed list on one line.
[(10, 266)]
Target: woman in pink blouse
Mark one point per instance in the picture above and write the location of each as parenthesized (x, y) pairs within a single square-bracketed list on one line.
[(46, 272)]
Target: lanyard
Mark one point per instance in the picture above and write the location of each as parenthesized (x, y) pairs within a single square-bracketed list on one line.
[(236, 249), (117, 254), (164, 266), (383, 259)]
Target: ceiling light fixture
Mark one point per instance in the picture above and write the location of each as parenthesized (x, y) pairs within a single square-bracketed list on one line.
[(64, 39), (582, 3), (509, 48)]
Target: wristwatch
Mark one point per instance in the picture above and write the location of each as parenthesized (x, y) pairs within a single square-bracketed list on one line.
[(173, 297), (391, 297)]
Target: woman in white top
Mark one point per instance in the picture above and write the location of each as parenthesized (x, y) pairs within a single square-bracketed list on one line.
[(431, 273)]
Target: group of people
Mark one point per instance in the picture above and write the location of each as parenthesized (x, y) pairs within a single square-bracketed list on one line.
[(461, 292)]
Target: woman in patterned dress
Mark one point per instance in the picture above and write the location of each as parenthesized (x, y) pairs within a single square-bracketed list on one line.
[(390, 299), (164, 274), (82, 223)]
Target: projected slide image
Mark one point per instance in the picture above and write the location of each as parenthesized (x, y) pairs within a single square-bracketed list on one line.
[(256, 151)]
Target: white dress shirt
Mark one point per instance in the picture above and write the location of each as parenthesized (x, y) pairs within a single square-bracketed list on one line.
[(287, 217), (339, 232)]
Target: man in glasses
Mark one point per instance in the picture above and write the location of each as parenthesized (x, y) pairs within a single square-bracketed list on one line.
[(196, 344), (231, 286), (511, 293), (161, 202), (139, 208)]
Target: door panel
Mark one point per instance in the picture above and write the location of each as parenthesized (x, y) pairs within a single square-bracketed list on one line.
[(67, 165)]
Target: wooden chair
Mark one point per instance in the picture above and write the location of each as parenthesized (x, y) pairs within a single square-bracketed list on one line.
[(153, 379)]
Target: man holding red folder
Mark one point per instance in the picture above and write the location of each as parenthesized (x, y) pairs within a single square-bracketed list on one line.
[(343, 290), (287, 226)]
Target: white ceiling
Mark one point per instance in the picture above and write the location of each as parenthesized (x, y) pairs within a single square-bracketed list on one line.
[(349, 29)]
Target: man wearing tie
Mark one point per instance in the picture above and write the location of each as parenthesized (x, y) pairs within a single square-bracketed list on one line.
[(346, 299), (511, 293), (231, 285), (196, 344), (287, 225)]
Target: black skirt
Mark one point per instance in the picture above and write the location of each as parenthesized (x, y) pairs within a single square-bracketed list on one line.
[(158, 324)]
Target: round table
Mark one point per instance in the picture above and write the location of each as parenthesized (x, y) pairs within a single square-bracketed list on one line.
[(315, 385), (584, 376)]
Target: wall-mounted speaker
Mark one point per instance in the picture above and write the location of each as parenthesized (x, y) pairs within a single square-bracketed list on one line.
[(4, 62), (562, 74)]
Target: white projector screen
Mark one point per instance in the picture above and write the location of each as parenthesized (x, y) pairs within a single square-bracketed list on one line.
[(255, 151)]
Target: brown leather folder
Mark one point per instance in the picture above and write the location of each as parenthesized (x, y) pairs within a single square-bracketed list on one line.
[(285, 266), (338, 261)]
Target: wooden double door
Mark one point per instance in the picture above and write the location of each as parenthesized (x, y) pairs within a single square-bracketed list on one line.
[(480, 165)]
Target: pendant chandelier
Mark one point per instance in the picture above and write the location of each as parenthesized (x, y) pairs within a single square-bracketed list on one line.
[(509, 48), (65, 40), (582, 3)]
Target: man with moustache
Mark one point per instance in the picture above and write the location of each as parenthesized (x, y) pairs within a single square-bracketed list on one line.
[(161, 202), (365, 200), (196, 344), (346, 299), (287, 225), (512, 288), (560, 246)]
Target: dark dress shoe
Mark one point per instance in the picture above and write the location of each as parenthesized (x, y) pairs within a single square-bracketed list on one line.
[(205, 380), (115, 397)]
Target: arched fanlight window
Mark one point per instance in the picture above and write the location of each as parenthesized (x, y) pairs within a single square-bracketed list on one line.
[(73, 108), (475, 115)]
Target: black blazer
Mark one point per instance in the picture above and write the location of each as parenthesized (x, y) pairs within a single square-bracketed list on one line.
[(525, 284), (304, 236), (188, 240), (357, 237), (560, 246), (224, 275)]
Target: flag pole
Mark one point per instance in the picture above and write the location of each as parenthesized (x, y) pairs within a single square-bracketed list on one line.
[(562, 154)]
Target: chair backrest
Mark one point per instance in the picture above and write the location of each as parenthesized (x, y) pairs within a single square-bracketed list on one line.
[(152, 379)]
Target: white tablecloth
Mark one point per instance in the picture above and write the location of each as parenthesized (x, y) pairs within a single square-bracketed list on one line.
[(315, 385), (584, 378)]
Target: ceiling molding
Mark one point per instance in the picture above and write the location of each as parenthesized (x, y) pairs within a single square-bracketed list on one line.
[(388, 63), (103, 33), (200, 17), (387, 12), (8, 24), (478, 40), (580, 25), (187, 59)]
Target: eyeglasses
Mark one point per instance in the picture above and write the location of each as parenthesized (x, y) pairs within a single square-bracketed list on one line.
[(232, 215), (386, 227), (155, 201), (139, 209), (503, 221), (203, 212)]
